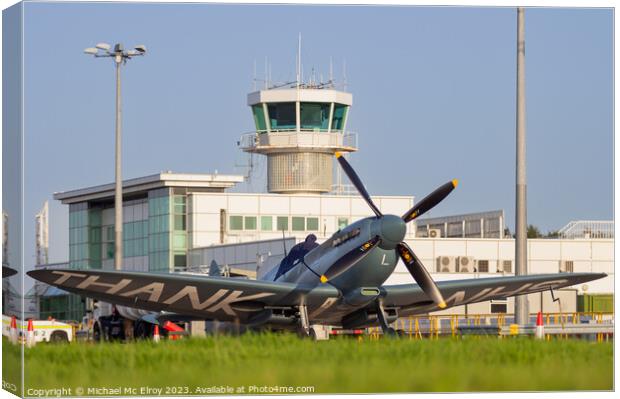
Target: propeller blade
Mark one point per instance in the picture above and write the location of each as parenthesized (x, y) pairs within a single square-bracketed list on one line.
[(430, 201), (357, 183), (349, 259), (420, 274)]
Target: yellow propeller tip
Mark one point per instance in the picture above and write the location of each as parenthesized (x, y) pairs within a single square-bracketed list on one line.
[(323, 279), (338, 154), (442, 305), (455, 183)]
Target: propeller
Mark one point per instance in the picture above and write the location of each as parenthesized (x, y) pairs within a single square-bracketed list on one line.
[(349, 259), (420, 274), (357, 183), (429, 202), (412, 262)]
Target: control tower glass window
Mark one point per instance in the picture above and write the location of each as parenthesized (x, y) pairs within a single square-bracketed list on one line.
[(259, 118), (282, 116), (314, 116), (340, 114)]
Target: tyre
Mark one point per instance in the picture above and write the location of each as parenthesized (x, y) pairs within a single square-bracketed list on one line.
[(96, 333), (58, 337)]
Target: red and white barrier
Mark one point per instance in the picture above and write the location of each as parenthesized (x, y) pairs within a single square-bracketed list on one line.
[(30, 340), (156, 334), (540, 328), (13, 335)]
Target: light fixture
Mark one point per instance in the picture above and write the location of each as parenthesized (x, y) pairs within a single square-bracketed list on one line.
[(103, 46)]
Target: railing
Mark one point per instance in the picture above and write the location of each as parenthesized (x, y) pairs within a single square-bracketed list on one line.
[(597, 324), (587, 229), (302, 138)]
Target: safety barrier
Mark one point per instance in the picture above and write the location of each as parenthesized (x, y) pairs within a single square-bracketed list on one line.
[(560, 325)]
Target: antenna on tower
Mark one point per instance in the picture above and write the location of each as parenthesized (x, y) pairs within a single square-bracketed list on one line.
[(331, 72), (344, 75), (254, 76), (299, 61), (266, 77)]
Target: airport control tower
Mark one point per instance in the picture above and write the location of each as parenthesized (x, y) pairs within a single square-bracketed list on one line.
[(299, 127)]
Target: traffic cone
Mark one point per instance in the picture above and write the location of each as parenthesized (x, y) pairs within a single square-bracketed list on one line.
[(156, 334), (30, 341), (540, 328), (13, 330)]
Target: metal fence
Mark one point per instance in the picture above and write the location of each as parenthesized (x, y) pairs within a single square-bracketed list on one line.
[(587, 229)]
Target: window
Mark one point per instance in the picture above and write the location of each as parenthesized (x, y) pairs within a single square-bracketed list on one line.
[(236, 223), (259, 117), (110, 250), (282, 115), (342, 223), (266, 223), (180, 260), (179, 222), (282, 223), (504, 266), (179, 240), (483, 266), (499, 307), (250, 223), (340, 114), (314, 115), (312, 224), (566, 266), (298, 223)]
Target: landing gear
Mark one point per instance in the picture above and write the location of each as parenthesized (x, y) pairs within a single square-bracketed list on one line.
[(304, 325), (385, 327)]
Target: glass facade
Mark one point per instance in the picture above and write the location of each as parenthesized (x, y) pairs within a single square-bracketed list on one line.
[(84, 237), (282, 116), (154, 233), (159, 230), (179, 232), (313, 116), (259, 117), (61, 307), (340, 116)]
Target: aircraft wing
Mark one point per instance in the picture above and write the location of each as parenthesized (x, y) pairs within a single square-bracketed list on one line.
[(410, 299), (216, 298), (8, 272)]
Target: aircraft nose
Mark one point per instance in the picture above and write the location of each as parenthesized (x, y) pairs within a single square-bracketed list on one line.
[(393, 229)]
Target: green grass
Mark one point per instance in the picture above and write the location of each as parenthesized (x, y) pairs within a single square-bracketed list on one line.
[(338, 365)]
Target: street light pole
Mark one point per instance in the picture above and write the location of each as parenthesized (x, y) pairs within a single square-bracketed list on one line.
[(120, 57), (118, 189), (521, 303)]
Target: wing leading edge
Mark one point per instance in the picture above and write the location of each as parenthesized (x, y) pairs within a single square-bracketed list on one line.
[(411, 300), (216, 298)]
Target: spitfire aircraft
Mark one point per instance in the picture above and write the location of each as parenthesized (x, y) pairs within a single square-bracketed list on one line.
[(339, 283)]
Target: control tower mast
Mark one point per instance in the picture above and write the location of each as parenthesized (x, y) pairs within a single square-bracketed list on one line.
[(299, 128)]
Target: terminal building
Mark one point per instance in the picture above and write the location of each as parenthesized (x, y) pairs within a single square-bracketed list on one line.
[(178, 222)]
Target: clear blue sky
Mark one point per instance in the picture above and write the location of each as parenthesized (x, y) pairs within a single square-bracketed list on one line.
[(433, 92)]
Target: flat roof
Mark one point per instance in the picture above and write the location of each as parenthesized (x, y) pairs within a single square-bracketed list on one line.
[(302, 94), (151, 182)]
